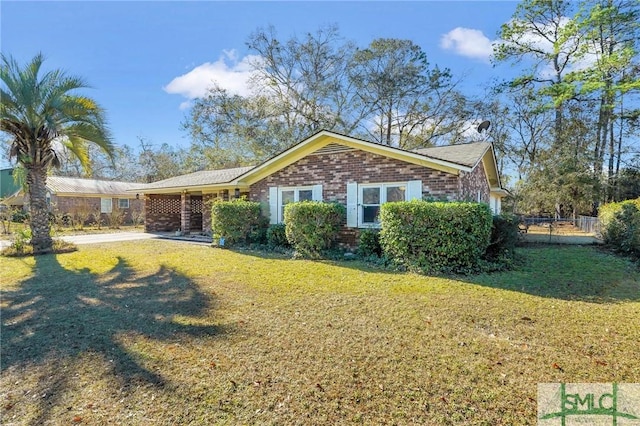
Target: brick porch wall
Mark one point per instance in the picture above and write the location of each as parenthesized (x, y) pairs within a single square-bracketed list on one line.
[(162, 213), (334, 170)]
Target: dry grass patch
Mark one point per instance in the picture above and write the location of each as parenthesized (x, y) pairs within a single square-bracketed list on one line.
[(159, 332)]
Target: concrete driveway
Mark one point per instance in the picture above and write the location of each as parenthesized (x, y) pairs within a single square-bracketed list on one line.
[(108, 238), (98, 238)]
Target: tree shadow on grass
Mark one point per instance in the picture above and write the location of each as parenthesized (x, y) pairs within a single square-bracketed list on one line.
[(59, 314)]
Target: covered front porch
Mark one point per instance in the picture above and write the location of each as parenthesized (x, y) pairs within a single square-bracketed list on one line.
[(188, 211)]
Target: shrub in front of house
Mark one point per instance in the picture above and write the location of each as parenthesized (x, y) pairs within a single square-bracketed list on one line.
[(435, 236), (237, 221), (622, 230), (19, 215), (504, 238), (277, 236), (116, 218), (369, 243), (312, 226)]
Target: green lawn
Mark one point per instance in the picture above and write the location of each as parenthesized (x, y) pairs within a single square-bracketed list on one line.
[(163, 333), (64, 231)]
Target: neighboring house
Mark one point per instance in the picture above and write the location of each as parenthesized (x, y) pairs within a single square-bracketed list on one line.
[(8, 186), (330, 167), (70, 195)]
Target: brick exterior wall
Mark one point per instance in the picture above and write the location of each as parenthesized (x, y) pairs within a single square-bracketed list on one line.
[(162, 213), (68, 205), (474, 183), (335, 170)]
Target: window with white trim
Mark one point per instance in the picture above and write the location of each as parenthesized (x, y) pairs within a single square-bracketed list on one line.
[(364, 200), (372, 196), (123, 203), (292, 195), (106, 205)]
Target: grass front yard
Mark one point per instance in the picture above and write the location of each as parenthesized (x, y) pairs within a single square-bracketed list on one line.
[(161, 332), (14, 228)]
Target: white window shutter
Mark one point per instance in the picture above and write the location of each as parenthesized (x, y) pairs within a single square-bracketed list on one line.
[(414, 190), (352, 204), (273, 204), (317, 193)]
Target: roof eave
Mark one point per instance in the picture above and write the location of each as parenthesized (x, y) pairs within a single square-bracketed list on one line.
[(192, 188), (326, 137)]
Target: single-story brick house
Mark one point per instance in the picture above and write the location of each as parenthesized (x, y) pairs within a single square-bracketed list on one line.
[(328, 166), (68, 195)]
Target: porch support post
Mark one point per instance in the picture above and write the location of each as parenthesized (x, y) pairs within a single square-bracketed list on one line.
[(149, 223), (185, 212), (207, 199)]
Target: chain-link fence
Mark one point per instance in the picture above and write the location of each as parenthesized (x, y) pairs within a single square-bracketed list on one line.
[(582, 230)]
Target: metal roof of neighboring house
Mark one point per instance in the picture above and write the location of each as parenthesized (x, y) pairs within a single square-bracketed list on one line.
[(464, 154), (69, 185), (204, 177)]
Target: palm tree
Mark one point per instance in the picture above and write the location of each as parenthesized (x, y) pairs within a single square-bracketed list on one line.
[(42, 113)]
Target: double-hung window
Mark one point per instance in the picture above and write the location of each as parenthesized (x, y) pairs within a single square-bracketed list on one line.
[(292, 195), (106, 205), (281, 196), (123, 203), (364, 200), (371, 197)]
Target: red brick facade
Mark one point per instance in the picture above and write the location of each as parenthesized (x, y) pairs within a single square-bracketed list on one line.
[(474, 186), (333, 171)]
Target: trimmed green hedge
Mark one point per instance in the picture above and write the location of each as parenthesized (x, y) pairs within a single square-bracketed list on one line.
[(606, 212), (277, 236), (237, 221), (435, 237), (504, 238), (312, 226), (622, 229), (369, 243)]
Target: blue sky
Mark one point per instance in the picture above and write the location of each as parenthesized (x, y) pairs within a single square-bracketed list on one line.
[(133, 54)]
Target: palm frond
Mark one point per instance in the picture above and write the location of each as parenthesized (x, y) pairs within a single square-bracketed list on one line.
[(39, 107)]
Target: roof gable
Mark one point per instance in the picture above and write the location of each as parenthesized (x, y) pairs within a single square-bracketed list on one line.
[(324, 140)]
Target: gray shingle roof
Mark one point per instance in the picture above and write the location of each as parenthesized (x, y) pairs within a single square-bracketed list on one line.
[(61, 184), (464, 154), (205, 177)]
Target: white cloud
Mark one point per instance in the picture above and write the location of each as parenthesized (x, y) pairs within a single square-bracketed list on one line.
[(468, 42), (228, 72), (534, 39)]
